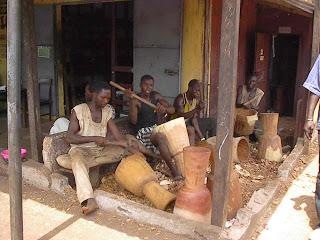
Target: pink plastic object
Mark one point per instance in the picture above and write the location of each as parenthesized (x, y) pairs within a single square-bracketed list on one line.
[(5, 153)]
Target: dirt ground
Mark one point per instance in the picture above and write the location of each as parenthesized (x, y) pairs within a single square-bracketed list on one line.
[(109, 184), (41, 224), (254, 174)]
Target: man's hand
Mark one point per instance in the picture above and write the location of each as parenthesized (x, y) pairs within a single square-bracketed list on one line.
[(161, 109), (128, 93), (308, 129), (201, 105), (241, 105), (101, 141), (245, 106)]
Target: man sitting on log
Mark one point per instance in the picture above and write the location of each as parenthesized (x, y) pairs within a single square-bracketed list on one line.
[(145, 119), (190, 106), (62, 123), (249, 95), (89, 124)]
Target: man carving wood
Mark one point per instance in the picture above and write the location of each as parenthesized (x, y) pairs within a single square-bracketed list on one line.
[(249, 95)]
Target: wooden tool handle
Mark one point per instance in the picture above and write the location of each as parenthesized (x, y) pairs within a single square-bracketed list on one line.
[(133, 95), (250, 101)]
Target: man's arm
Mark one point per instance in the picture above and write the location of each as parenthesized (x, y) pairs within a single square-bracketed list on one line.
[(72, 135), (133, 111), (309, 124), (255, 101), (256, 108), (120, 140), (178, 104), (112, 127), (165, 105)]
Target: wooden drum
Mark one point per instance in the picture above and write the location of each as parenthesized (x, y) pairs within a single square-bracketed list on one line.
[(245, 121), (177, 136)]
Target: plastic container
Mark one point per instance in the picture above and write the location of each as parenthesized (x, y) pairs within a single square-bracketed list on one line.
[(5, 154)]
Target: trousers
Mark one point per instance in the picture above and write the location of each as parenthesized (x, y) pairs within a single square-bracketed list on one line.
[(82, 159)]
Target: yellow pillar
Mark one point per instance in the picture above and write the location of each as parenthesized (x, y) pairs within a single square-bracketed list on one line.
[(192, 41)]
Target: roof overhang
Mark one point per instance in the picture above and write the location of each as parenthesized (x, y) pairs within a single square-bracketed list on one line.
[(303, 7), (48, 2)]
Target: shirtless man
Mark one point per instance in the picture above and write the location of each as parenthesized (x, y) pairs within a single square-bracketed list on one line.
[(190, 106), (144, 120)]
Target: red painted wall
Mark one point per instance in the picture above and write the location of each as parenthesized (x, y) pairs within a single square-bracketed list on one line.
[(215, 54), (246, 39), (258, 18), (269, 20), (246, 46)]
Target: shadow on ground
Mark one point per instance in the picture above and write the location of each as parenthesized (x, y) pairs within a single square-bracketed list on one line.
[(306, 203)]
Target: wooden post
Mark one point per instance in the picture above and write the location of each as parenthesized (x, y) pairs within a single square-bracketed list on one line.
[(226, 109), (316, 32), (314, 55), (30, 74), (207, 55), (59, 65), (14, 117), (298, 123)]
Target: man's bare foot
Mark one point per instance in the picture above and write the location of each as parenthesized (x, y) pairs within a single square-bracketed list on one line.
[(89, 206)]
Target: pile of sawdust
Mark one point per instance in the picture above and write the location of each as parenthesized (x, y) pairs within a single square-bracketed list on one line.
[(254, 174), (109, 184)]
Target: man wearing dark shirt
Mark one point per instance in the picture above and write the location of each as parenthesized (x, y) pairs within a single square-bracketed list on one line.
[(145, 119)]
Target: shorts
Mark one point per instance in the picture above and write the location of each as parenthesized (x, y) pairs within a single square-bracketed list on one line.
[(144, 135)]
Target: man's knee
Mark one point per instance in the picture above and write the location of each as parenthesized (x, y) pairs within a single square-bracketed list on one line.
[(77, 162), (77, 157), (159, 139)]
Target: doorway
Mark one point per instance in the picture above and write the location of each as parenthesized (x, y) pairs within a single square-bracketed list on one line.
[(283, 73), (97, 44)]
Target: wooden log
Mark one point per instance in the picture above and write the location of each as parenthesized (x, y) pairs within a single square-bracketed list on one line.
[(207, 55), (135, 174), (31, 76), (298, 123), (270, 147), (194, 199), (235, 201), (59, 59), (226, 109)]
